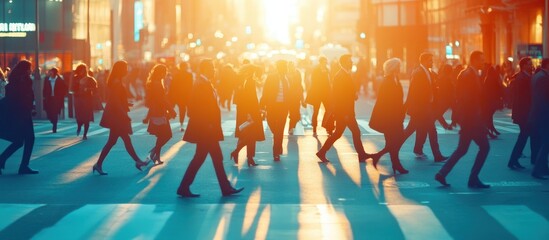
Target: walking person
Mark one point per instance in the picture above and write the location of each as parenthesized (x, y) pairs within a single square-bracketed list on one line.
[(160, 111), (54, 93), (84, 87), (205, 131), (116, 119), (17, 109), (492, 99), (275, 99), (249, 124), (295, 83), (388, 114), (345, 94), (227, 83), (469, 93), (538, 119), (319, 92), (521, 90), (180, 90)]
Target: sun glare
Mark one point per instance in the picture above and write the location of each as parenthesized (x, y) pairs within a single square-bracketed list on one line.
[(278, 18)]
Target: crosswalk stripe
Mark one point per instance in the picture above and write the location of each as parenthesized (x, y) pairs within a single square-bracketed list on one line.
[(407, 217), (11, 212), (366, 126), (520, 221)]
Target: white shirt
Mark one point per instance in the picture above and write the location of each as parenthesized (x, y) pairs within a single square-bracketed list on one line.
[(52, 82)]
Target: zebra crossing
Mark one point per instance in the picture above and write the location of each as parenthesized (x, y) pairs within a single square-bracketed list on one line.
[(303, 128), (266, 221)]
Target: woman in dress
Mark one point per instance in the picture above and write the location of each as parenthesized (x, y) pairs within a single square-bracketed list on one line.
[(84, 87)]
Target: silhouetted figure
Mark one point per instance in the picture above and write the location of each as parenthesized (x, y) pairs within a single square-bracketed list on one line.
[(204, 129), (227, 83), (539, 119), (160, 110), (249, 124), (275, 99), (319, 92), (492, 99), (54, 93), (388, 114), (344, 93), (116, 119), (421, 105), (84, 87), (179, 91), (16, 110), (296, 96), (521, 89), (469, 94), (446, 95)]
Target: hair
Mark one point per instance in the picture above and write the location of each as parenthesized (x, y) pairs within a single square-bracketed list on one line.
[(82, 67), (391, 65), (523, 61), (55, 70), (117, 71), (22, 68), (424, 56), (545, 63), (158, 72), (475, 56)]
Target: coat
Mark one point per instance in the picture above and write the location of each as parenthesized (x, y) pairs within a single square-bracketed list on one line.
[(115, 116), (320, 86), (421, 95), (84, 102), (468, 102), (249, 105), (53, 103), (16, 110), (521, 89), (204, 114), (389, 112), (271, 88), (343, 95), (539, 112)]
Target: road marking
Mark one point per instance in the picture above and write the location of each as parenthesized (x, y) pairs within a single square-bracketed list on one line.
[(428, 228), (520, 221), (366, 126), (11, 212)]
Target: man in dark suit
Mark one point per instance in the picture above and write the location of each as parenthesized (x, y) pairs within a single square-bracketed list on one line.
[(421, 108), (319, 91), (469, 92), (204, 129), (275, 99), (539, 119), (344, 94), (180, 90), (521, 89), (54, 93)]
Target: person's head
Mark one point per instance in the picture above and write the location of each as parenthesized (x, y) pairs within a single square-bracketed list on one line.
[(158, 72), (282, 66), (81, 70), (476, 60), (322, 61), (426, 59), (545, 64), (346, 62), (526, 64), (183, 66), (22, 68), (391, 67), (118, 71), (207, 68), (53, 72)]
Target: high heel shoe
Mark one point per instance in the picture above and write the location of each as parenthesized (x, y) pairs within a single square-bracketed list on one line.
[(98, 170), (251, 162), (234, 157), (400, 170), (141, 164)]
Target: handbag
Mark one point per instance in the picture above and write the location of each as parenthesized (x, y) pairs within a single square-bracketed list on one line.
[(158, 121)]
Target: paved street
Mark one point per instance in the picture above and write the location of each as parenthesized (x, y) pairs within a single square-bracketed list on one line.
[(294, 198)]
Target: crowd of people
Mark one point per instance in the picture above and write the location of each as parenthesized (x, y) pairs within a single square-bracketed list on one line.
[(473, 94)]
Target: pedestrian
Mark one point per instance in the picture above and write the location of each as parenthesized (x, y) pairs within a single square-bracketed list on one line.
[(295, 82), (521, 90), (116, 119), (388, 114), (249, 124), (205, 131), (492, 99), (318, 93), (160, 110), (179, 90), (345, 94), (227, 83), (275, 99), (17, 109), (468, 96), (84, 88), (421, 105), (539, 117), (54, 93), (446, 95)]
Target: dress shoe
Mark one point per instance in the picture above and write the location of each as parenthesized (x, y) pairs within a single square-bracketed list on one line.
[(441, 179), (322, 157), (98, 170), (420, 155), (441, 159), (27, 170), (187, 193), (231, 191), (477, 184)]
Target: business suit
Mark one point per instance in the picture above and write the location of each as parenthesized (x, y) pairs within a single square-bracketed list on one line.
[(344, 96), (421, 107), (275, 98), (522, 100), (469, 93), (319, 93), (204, 130), (54, 99), (538, 119)]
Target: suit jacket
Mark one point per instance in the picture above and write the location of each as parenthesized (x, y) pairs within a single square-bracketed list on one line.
[(539, 112), (388, 113), (204, 114), (54, 103), (421, 95), (320, 86), (343, 95), (271, 88), (468, 106), (522, 97)]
